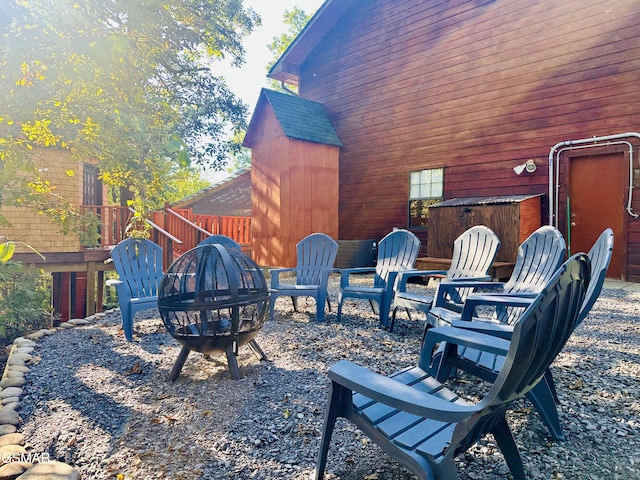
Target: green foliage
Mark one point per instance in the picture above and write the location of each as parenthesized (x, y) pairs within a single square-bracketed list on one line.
[(24, 301), (296, 19), (132, 84), (242, 158)]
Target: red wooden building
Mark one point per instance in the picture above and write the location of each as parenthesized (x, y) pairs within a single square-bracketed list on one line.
[(434, 101)]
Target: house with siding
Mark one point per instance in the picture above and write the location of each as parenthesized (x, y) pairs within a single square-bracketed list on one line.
[(434, 101), (77, 272)]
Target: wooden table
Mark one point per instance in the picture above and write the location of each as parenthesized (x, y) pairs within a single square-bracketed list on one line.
[(499, 270)]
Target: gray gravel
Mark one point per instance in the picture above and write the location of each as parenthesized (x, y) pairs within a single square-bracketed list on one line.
[(106, 407)]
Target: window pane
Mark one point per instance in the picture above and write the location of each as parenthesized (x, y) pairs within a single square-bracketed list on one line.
[(426, 188)]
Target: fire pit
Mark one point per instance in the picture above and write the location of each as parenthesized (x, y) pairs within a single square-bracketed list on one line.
[(213, 300)]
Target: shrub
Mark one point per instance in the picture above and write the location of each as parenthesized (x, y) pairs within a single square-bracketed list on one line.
[(24, 301)]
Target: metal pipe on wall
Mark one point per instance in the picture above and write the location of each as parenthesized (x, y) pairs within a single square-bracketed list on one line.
[(586, 143)]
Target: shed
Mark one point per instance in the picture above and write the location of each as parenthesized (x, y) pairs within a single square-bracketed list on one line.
[(512, 217), (294, 175)]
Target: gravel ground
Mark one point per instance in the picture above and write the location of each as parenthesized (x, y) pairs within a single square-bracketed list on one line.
[(106, 407)]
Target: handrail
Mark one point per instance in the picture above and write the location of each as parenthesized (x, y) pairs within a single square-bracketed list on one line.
[(161, 230), (186, 221)]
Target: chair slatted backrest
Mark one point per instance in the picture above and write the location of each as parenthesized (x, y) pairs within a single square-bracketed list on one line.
[(539, 335), (397, 251), (315, 253), (539, 256), (138, 263), (600, 256), (473, 252)]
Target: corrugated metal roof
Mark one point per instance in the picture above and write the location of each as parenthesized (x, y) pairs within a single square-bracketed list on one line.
[(302, 119), (456, 202)]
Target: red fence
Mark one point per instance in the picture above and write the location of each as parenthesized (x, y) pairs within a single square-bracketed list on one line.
[(174, 229)]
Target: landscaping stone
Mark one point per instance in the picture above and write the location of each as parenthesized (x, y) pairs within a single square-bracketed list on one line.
[(10, 471), (11, 392), (50, 471), (6, 429), (11, 439)]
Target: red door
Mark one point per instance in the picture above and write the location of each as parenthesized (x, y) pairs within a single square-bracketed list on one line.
[(598, 189)]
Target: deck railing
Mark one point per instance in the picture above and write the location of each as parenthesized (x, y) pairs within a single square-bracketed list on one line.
[(176, 230)]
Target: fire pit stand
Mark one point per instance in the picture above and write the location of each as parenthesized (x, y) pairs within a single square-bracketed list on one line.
[(213, 299)]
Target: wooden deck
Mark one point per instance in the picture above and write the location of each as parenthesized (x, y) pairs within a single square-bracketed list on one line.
[(499, 270), (90, 262)]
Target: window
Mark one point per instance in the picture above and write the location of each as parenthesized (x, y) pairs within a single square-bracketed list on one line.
[(425, 189)]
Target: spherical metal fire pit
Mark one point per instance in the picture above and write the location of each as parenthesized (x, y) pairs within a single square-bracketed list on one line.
[(213, 299)]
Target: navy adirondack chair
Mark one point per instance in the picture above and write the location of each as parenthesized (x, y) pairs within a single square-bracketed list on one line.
[(424, 425), (316, 255), (473, 253), (397, 252), (539, 256), (458, 350), (221, 240), (138, 263)]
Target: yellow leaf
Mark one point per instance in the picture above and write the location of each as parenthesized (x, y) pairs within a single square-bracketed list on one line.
[(286, 413), (71, 173), (119, 476)]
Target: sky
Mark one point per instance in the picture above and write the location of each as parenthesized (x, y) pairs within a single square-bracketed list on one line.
[(247, 80)]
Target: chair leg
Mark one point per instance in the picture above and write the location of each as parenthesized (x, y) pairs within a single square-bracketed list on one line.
[(328, 303), (272, 306), (392, 321), (294, 300), (127, 323), (542, 399), (335, 397), (548, 378), (507, 444), (339, 312), (373, 306)]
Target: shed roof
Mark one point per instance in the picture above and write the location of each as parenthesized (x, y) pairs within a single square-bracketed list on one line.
[(230, 196), (458, 202), (300, 119)]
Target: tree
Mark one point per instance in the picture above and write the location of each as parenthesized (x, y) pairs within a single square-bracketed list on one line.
[(296, 19), (129, 83)]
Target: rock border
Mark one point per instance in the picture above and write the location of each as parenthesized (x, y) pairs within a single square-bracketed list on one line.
[(16, 462)]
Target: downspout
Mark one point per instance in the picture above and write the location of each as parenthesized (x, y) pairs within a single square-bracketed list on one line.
[(574, 143)]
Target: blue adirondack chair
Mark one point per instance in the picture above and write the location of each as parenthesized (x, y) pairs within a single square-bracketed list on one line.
[(397, 252), (138, 263), (473, 253), (539, 256), (221, 240), (424, 425), (485, 362), (316, 255)]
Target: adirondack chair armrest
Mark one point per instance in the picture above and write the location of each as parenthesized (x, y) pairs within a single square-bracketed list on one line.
[(346, 272), (447, 290), (495, 300), (403, 277), (114, 282), (275, 275), (490, 328), (397, 395), (462, 337)]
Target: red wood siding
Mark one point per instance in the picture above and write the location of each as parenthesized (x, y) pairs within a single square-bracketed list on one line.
[(294, 191), (475, 86)]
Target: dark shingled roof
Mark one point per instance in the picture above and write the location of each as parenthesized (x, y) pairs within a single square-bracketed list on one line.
[(301, 119)]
